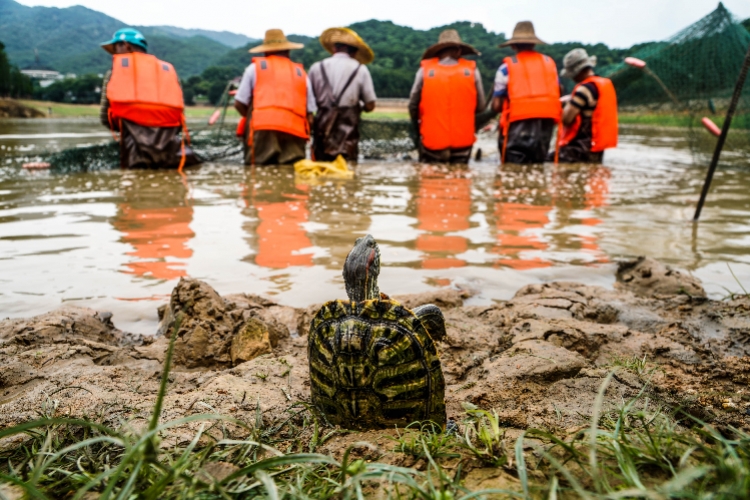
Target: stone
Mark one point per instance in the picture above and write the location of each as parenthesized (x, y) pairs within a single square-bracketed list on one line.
[(251, 341)]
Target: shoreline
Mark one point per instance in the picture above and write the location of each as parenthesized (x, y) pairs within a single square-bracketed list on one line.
[(535, 362)]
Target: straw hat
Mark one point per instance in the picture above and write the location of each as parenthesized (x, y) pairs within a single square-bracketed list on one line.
[(523, 33), (576, 61), (449, 38), (275, 41), (332, 36)]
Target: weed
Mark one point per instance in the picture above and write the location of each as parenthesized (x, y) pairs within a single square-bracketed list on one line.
[(483, 436), (421, 439)]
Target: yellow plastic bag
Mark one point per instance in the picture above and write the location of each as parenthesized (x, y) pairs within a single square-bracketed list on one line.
[(337, 169)]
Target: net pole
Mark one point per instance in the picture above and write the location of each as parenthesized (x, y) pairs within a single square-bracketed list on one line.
[(724, 131)]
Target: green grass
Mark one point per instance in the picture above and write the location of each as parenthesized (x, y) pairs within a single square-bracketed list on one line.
[(386, 115), (64, 110), (640, 450)]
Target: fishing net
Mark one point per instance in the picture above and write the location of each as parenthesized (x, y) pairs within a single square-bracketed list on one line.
[(208, 145), (379, 139), (690, 76)]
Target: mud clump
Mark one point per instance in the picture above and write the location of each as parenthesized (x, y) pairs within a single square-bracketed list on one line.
[(537, 360), (647, 277), (218, 332)]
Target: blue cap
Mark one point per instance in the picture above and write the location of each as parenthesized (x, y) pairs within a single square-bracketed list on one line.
[(133, 37)]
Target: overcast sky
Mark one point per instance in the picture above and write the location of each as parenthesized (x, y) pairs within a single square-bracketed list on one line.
[(618, 23)]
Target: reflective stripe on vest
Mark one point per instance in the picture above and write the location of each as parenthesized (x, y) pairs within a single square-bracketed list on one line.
[(280, 97), (604, 119), (533, 88), (448, 104), (145, 91)]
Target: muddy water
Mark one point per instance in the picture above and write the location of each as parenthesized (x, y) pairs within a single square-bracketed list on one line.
[(119, 241)]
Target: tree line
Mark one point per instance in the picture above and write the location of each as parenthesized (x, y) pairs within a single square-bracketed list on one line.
[(13, 83), (398, 52)]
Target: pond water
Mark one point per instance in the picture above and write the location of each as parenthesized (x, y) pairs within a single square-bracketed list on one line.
[(119, 240)]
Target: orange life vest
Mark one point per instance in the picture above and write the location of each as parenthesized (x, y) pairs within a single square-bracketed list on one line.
[(603, 120), (279, 97), (533, 89), (449, 100), (145, 91)]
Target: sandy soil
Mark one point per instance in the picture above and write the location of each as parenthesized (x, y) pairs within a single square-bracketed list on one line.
[(538, 359)]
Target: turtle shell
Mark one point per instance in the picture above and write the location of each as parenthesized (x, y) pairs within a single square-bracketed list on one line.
[(373, 365)]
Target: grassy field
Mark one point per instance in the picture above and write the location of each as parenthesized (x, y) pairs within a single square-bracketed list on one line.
[(641, 450), (64, 110)]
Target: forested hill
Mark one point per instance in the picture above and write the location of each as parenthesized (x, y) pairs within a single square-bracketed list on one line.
[(68, 40), (398, 52)]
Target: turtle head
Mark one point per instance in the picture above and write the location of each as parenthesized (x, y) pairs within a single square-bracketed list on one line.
[(361, 270)]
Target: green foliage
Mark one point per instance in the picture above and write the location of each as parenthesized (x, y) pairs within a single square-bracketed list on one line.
[(636, 451), (85, 89), (13, 83)]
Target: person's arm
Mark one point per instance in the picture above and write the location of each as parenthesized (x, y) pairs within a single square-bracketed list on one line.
[(480, 91), (578, 101), (244, 95), (569, 113), (500, 89), (415, 97), (104, 103), (367, 92), (497, 104)]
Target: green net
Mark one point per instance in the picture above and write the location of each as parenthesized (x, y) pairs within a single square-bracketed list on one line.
[(690, 76), (379, 139)]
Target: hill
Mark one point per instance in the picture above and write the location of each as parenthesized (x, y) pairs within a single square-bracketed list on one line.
[(227, 38), (68, 39)]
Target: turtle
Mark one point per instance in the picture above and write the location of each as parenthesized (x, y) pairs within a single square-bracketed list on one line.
[(373, 362)]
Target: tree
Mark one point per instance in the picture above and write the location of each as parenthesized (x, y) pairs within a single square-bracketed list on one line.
[(13, 83)]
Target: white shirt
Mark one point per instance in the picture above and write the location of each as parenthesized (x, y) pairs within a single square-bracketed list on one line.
[(247, 85)]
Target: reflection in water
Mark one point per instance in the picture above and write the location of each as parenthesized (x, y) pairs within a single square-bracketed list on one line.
[(443, 206), (155, 219), (521, 213), (94, 238), (280, 209), (543, 210), (597, 189)]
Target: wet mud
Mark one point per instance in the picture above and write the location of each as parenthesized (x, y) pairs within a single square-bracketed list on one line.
[(538, 359)]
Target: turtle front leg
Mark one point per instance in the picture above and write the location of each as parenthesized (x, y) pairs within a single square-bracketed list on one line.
[(432, 319)]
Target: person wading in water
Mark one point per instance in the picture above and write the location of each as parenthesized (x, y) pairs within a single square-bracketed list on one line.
[(276, 97), (590, 117), (527, 94), (142, 100), (343, 88), (446, 96)]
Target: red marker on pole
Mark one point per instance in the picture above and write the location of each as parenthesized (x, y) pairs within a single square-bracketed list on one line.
[(711, 126), (634, 62), (214, 117)]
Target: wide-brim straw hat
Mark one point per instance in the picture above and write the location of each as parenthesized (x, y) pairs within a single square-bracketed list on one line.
[(275, 41), (523, 33), (576, 61), (449, 38), (332, 36)]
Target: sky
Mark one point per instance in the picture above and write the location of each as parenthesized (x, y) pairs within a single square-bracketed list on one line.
[(616, 23)]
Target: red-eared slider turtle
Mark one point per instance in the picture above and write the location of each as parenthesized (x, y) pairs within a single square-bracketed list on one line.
[(373, 362)]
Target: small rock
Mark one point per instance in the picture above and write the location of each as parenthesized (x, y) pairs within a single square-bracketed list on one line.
[(250, 342)]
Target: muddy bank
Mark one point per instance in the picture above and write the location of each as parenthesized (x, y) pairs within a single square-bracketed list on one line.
[(14, 109), (537, 359)]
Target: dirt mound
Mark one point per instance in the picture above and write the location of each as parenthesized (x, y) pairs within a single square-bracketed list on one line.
[(537, 359), (14, 109), (647, 277)]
